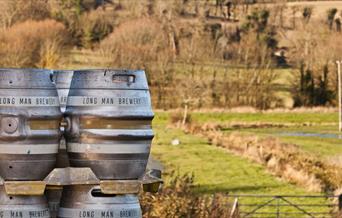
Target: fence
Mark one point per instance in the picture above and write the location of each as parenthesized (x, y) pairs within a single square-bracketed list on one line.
[(277, 206)]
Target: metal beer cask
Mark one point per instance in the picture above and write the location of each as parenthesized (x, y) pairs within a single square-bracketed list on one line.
[(29, 124), (87, 201), (109, 114), (22, 206), (62, 79), (53, 196)]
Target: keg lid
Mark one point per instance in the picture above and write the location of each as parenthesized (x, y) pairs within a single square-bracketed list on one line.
[(12, 78), (109, 79)]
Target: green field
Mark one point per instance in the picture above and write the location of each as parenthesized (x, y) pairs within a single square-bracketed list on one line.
[(326, 144), (277, 117), (215, 170), (323, 147)]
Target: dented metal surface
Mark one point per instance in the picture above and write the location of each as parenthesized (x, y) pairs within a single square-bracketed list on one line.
[(109, 119), (29, 124), (89, 201)]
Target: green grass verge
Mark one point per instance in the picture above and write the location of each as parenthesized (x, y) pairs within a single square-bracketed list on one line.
[(321, 146), (266, 117), (216, 170)]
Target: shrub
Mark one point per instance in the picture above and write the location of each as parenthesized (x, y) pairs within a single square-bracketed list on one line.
[(32, 44), (178, 117), (178, 200), (135, 44), (96, 25), (307, 13), (21, 10), (331, 16)]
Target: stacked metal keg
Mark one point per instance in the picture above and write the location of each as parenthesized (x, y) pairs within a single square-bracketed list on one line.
[(107, 127), (29, 136)]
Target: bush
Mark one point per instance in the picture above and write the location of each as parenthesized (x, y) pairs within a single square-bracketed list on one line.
[(96, 25), (20, 10), (177, 117), (32, 44), (135, 44), (331, 16), (178, 200)]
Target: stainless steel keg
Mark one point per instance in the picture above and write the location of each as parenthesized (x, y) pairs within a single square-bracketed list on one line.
[(29, 124), (53, 196), (87, 201), (22, 206), (62, 79), (109, 115)]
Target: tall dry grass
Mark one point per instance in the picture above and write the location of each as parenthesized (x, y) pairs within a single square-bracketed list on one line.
[(32, 44), (21, 10), (178, 200)]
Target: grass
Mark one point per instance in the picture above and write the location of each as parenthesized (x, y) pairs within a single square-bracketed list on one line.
[(84, 59), (276, 117), (320, 146), (215, 169), (197, 156)]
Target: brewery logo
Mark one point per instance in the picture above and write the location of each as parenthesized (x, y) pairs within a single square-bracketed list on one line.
[(107, 101), (24, 213), (29, 101)]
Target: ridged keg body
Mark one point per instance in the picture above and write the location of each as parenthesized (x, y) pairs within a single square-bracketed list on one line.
[(29, 120), (62, 79), (87, 201), (53, 197), (109, 114), (22, 206)]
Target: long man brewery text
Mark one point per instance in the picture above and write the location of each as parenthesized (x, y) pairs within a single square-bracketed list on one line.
[(28, 101), (109, 101), (25, 213)]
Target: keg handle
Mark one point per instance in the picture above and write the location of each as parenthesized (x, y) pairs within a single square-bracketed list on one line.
[(96, 192), (52, 77), (118, 78)]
